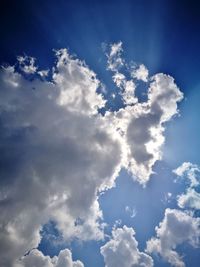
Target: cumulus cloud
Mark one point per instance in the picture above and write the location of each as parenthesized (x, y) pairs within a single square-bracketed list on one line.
[(176, 228), (122, 250), (142, 125), (36, 259), (191, 173), (57, 153)]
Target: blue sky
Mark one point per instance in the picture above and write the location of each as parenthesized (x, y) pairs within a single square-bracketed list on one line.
[(62, 148)]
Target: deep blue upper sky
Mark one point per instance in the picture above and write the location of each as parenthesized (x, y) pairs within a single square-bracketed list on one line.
[(162, 34)]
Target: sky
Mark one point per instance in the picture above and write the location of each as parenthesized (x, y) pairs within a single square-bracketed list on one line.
[(99, 133)]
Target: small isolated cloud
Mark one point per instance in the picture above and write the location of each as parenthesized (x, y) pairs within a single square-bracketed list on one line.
[(122, 250), (115, 60), (43, 73), (176, 228), (35, 258), (131, 211), (27, 64), (167, 198), (140, 73), (191, 174), (115, 63)]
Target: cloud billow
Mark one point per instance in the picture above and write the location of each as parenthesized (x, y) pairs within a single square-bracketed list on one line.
[(122, 250), (58, 152), (142, 124), (176, 228)]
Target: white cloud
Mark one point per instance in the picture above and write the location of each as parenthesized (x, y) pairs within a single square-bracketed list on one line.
[(115, 60), (115, 63), (27, 64), (122, 250), (57, 153), (190, 199), (131, 211), (36, 259), (140, 73), (176, 228), (43, 73), (142, 125), (78, 83), (191, 173), (167, 198)]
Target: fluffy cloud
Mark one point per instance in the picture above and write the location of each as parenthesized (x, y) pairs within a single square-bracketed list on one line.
[(115, 60), (27, 64), (191, 173), (190, 199), (176, 228), (140, 73), (122, 250), (36, 259), (57, 153), (142, 125)]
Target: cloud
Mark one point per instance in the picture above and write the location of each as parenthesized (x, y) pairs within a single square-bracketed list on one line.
[(122, 250), (27, 64), (131, 211), (142, 125), (191, 173), (190, 199), (36, 259), (115, 64), (140, 73), (176, 228), (115, 60), (57, 154)]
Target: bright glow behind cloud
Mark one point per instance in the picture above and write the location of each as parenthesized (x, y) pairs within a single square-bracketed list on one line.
[(142, 125)]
